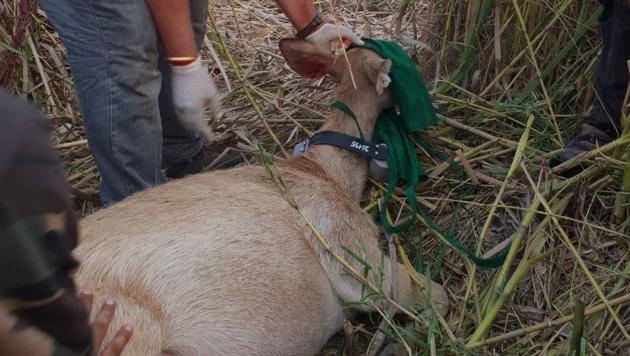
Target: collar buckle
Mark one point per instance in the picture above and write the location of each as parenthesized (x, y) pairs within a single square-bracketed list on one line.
[(301, 147)]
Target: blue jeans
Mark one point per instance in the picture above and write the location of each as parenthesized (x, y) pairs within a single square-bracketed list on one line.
[(124, 91)]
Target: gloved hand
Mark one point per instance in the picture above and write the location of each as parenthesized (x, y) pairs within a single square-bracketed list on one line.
[(193, 88), (326, 37)]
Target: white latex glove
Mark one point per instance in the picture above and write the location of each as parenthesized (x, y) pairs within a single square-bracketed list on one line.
[(326, 37), (193, 88)]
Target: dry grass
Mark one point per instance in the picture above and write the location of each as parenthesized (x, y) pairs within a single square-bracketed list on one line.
[(491, 65)]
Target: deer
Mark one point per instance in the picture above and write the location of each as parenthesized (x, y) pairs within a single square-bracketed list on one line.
[(226, 263)]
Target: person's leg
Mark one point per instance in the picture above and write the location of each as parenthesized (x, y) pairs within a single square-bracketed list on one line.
[(181, 145), (112, 50), (611, 81)]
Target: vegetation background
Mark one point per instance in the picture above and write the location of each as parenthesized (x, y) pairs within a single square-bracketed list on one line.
[(501, 72)]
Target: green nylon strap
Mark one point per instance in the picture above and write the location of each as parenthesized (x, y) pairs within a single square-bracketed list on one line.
[(402, 163), (345, 109), (492, 262), (413, 101), (405, 168)]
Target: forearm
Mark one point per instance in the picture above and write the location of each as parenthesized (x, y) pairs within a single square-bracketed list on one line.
[(172, 20), (299, 12)]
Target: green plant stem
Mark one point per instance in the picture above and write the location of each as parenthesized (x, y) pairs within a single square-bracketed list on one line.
[(567, 242), (538, 72), (516, 239), (578, 329), (518, 156), (547, 324), (503, 292), (619, 286), (499, 293), (245, 87), (624, 193), (561, 54), (468, 57), (623, 140)]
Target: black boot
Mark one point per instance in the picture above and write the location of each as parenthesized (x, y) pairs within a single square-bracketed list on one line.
[(194, 165), (588, 139), (202, 161)]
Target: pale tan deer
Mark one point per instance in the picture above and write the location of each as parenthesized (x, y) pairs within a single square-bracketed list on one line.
[(221, 263)]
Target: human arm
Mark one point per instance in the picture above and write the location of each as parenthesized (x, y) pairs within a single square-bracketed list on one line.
[(299, 12), (192, 85), (173, 24), (304, 17)]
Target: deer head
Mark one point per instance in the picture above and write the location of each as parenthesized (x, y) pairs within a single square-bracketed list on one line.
[(362, 76)]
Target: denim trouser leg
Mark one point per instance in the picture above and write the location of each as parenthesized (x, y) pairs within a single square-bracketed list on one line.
[(611, 79), (180, 144), (112, 50)]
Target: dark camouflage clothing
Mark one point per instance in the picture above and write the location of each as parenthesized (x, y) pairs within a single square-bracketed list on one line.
[(40, 313)]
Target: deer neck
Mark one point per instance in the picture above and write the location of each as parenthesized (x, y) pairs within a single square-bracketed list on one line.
[(349, 170)]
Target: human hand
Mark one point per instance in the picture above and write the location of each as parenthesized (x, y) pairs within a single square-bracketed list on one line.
[(101, 324), (192, 88), (327, 37)]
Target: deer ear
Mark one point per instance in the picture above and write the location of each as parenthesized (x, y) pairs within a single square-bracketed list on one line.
[(377, 70), (305, 58)]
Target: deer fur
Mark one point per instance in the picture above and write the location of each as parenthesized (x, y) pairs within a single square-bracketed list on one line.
[(224, 263)]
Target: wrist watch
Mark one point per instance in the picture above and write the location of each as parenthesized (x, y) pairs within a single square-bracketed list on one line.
[(311, 27)]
